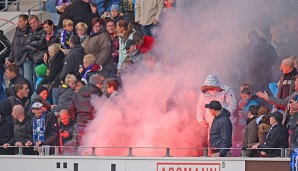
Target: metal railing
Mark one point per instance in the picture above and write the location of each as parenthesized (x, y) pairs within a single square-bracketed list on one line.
[(92, 151), (8, 4), (41, 7)]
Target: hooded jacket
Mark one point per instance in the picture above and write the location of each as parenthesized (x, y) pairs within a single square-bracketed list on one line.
[(80, 109), (65, 97), (221, 132), (4, 49), (225, 96)]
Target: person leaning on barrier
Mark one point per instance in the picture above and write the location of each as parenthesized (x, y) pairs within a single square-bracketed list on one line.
[(66, 127), (277, 137), (221, 130), (22, 131)]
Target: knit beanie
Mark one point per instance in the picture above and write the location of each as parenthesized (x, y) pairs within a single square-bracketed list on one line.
[(40, 88), (41, 70)]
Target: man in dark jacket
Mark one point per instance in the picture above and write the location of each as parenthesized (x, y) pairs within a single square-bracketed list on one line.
[(79, 11), (12, 74), (18, 43), (22, 131), (45, 127), (74, 58), (277, 136), (81, 109), (221, 130), (6, 132), (66, 126), (4, 52), (35, 48), (251, 132)]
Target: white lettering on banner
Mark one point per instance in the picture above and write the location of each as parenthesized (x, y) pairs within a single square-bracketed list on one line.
[(188, 167)]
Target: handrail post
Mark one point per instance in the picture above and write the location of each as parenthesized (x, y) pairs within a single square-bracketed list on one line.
[(282, 152), (20, 151), (243, 153), (168, 152), (56, 150), (205, 152), (18, 5), (93, 151), (130, 151)]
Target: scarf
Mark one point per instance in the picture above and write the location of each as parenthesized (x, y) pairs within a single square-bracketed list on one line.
[(65, 36), (39, 128)]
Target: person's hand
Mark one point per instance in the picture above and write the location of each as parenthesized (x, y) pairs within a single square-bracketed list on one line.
[(293, 106), (204, 123), (45, 58), (118, 72), (263, 153), (64, 134), (242, 103), (255, 146), (156, 22), (28, 143), (93, 9), (6, 145), (19, 144), (263, 95), (7, 63), (38, 144), (215, 155), (81, 70)]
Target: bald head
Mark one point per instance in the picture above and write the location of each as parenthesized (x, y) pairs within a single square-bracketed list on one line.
[(18, 112), (64, 116), (287, 65)]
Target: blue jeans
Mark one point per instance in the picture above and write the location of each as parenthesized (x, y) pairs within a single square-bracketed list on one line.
[(55, 96), (29, 72), (147, 30), (2, 92)]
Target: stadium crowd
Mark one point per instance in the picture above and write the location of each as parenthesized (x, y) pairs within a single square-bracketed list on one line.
[(55, 67)]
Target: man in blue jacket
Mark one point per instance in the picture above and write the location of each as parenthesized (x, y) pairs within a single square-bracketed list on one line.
[(220, 131)]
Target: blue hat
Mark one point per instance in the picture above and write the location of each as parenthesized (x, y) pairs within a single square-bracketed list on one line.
[(115, 7)]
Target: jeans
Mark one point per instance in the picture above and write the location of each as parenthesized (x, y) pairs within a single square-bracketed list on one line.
[(55, 96), (147, 30), (2, 92), (29, 72)]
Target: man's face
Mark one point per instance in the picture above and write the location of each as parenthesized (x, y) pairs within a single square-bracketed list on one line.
[(68, 27), (110, 27), (96, 27), (284, 68), (64, 119), (25, 90), (212, 111), (34, 23), (272, 120), (44, 94), (110, 90), (37, 112), (78, 86), (14, 113), (9, 74), (131, 50), (22, 23), (245, 96), (114, 13)]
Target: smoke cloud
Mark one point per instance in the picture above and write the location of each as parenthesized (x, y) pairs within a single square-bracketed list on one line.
[(156, 107)]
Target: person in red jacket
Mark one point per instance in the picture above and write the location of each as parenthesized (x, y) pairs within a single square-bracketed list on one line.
[(144, 43)]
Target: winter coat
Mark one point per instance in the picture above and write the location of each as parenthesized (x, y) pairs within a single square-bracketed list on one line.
[(277, 138), (221, 132), (122, 50), (80, 109), (18, 45), (250, 137), (78, 11), (69, 128), (100, 45), (251, 102), (65, 97), (86, 74), (15, 100), (36, 45), (293, 130), (4, 50), (72, 62), (226, 97), (292, 85), (23, 131), (263, 130), (10, 91), (6, 133), (55, 67)]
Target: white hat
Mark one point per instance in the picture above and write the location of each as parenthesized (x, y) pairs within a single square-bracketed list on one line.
[(36, 105)]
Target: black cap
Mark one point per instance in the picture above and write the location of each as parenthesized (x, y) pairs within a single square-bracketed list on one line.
[(277, 115), (213, 105), (129, 43)]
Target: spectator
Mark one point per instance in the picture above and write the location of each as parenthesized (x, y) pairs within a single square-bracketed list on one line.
[(35, 48), (104, 6), (251, 132), (45, 127), (41, 96), (4, 52), (99, 45), (66, 127), (74, 59), (148, 14), (247, 99), (112, 88), (12, 74), (89, 67), (41, 72), (124, 33), (144, 43), (81, 29), (18, 43), (221, 130), (61, 5), (51, 31), (6, 132), (80, 109), (111, 28), (22, 131), (133, 53), (79, 11), (277, 136), (263, 126), (66, 33), (79, 84), (55, 65), (127, 7), (114, 14), (66, 92)]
